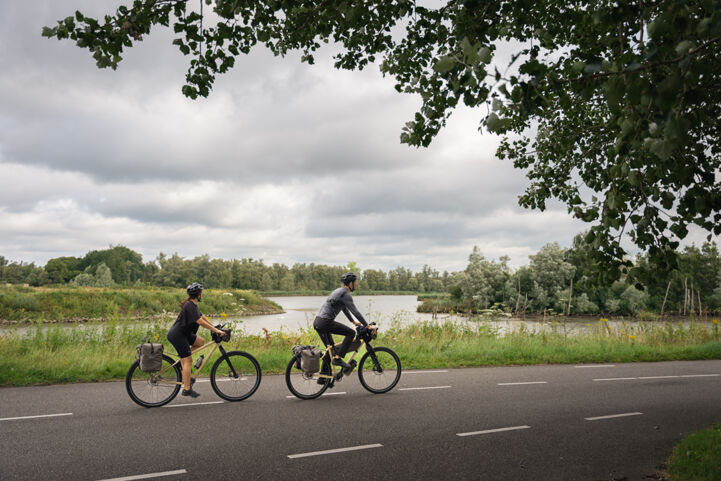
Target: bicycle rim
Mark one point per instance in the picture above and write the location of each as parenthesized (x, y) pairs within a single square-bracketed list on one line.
[(305, 386), (235, 376), (154, 389), (382, 376)]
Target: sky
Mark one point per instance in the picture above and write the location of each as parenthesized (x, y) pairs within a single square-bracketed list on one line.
[(283, 162)]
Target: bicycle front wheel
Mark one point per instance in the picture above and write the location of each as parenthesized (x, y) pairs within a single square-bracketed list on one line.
[(303, 385), (379, 370), (235, 376), (153, 389)]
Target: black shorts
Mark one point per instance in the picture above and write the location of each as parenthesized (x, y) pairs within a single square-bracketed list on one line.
[(181, 341)]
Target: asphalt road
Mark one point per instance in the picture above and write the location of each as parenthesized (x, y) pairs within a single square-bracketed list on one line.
[(607, 422)]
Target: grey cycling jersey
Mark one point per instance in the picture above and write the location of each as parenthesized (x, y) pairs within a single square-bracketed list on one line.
[(340, 300)]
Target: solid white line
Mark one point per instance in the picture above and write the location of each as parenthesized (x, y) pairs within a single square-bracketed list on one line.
[(615, 379), (38, 416), (595, 365), (221, 380), (657, 377), (193, 404), (146, 476), (521, 383), (326, 394), (488, 431), (421, 388), (333, 451), (701, 375), (421, 372), (612, 416)]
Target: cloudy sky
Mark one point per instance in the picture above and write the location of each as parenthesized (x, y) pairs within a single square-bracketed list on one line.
[(284, 162)]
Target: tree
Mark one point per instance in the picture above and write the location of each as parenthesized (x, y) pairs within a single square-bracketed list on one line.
[(62, 269), (614, 110)]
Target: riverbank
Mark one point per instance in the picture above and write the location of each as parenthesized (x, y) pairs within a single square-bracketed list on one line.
[(22, 305), (361, 292), (57, 355)]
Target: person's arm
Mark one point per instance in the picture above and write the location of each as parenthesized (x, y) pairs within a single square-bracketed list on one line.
[(347, 314), (203, 321), (350, 306)]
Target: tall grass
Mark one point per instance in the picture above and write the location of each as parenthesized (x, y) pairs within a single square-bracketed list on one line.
[(697, 457), (25, 304), (93, 353)]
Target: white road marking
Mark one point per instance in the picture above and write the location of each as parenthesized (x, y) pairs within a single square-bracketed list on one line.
[(221, 380), (488, 431), (615, 379), (521, 383), (333, 451), (655, 377), (146, 476), (421, 388), (38, 416), (422, 372), (594, 365), (325, 394), (611, 416), (194, 404)]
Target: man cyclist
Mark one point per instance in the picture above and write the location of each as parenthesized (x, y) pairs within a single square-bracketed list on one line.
[(325, 324), (182, 335)]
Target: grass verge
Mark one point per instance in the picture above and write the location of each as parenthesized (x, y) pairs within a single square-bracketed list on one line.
[(697, 457), (20, 304), (57, 354)]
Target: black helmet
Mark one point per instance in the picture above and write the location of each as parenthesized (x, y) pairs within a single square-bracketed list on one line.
[(194, 289), (348, 277)]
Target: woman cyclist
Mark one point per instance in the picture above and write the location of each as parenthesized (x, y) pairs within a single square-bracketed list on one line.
[(325, 324), (182, 335)]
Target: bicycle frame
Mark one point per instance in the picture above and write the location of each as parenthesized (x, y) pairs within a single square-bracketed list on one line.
[(215, 346), (329, 353)]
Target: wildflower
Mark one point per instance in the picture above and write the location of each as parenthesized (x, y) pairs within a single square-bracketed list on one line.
[(603, 319), (715, 321), (632, 337), (223, 315), (588, 324)]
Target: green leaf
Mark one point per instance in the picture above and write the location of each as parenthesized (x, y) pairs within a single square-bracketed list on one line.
[(484, 54), (469, 51), (444, 64), (684, 47)]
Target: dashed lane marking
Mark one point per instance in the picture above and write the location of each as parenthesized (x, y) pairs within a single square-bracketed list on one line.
[(333, 451), (612, 416), (521, 383), (489, 431), (422, 388), (147, 476), (194, 404), (37, 416)]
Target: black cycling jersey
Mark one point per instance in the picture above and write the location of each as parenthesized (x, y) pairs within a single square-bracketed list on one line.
[(340, 300), (187, 320)]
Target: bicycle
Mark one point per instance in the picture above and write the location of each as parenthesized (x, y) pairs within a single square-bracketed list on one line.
[(235, 376), (378, 376)]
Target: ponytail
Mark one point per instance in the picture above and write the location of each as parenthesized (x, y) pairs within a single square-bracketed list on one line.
[(184, 302)]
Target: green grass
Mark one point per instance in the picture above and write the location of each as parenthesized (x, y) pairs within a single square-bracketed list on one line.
[(697, 457), (321, 292), (57, 354), (30, 304)]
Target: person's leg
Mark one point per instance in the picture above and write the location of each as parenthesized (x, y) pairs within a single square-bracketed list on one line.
[(338, 328), (186, 364)]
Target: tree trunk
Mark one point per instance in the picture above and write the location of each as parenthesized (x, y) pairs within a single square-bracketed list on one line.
[(665, 297), (518, 295), (700, 311), (691, 304), (570, 296), (685, 295)]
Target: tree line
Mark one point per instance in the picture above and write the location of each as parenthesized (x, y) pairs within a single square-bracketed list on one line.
[(557, 279)]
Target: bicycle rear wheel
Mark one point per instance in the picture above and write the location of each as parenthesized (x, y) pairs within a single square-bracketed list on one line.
[(305, 386), (153, 389), (235, 376), (379, 370)]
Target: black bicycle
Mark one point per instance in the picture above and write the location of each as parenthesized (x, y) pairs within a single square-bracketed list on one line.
[(379, 369), (235, 376)]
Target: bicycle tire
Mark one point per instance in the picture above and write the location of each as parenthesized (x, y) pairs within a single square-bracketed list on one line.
[(237, 383), (380, 381), (143, 387), (303, 386)]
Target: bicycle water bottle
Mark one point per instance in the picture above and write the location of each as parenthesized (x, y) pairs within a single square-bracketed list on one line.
[(199, 361)]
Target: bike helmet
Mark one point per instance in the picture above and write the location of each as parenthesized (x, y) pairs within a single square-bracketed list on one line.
[(348, 277), (194, 289)]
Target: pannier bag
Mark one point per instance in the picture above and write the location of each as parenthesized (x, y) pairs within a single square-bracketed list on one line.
[(150, 356), (296, 352), (310, 360)]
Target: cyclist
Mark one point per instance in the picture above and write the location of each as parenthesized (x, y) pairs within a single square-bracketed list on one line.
[(182, 335), (325, 324)]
